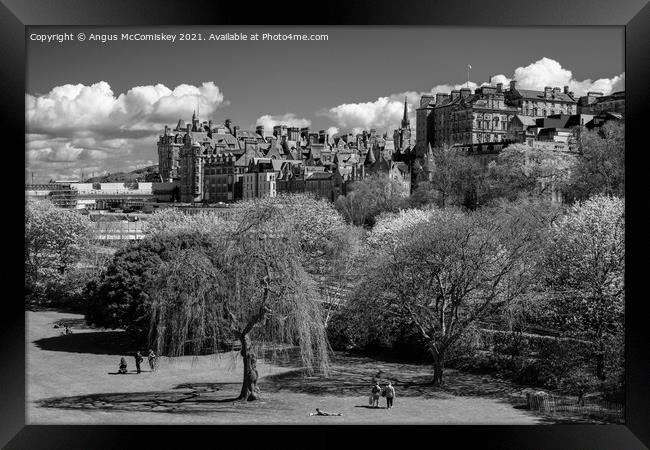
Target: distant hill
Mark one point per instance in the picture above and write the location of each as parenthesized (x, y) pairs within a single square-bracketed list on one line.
[(145, 174)]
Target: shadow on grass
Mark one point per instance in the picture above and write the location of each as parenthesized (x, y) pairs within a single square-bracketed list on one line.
[(183, 399), (100, 342), (130, 372), (352, 375)]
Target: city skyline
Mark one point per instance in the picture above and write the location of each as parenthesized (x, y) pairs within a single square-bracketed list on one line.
[(104, 107)]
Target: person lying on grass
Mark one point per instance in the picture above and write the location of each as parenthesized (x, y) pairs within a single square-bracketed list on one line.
[(323, 413)]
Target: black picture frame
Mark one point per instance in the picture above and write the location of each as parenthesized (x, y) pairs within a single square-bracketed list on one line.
[(634, 15)]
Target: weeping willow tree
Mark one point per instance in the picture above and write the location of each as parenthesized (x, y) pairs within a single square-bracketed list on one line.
[(250, 286)]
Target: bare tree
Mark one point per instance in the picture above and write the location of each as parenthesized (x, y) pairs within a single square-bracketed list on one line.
[(449, 272), (250, 286)]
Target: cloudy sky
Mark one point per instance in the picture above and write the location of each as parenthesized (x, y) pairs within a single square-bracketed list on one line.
[(99, 107)]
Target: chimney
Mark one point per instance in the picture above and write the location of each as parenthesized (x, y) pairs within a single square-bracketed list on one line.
[(566, 89), (235, 130), (277, 131), (556, 90), (373, 132), (441, 98), (304, 133), (499, 87), (513, 85), (547, 91), (465, 92), (210, 128), (293, 133), (260, 130), (425, 100), (455, 94)]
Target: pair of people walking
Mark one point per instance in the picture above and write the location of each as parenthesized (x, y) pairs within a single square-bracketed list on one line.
[(388, 391), (138, 360)]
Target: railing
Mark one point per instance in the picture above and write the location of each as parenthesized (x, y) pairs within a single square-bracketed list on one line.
[(563, 406)]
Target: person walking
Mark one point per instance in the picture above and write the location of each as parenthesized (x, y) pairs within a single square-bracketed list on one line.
[(376, 393), (152, 359), (138, 360), (390, 395)]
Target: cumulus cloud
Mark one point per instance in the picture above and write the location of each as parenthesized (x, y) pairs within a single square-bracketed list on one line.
[(385, 113), (76, 123), (73, 107), (548, 72), (268, 121), (331, 131)]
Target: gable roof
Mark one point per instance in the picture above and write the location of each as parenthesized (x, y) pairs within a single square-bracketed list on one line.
[(526, 120)]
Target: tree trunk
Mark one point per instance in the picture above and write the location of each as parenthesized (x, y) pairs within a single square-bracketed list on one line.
[(600, 361), (438, 367), (249, 389)]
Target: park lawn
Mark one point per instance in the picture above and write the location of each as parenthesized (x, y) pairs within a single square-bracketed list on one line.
[(70, 381)]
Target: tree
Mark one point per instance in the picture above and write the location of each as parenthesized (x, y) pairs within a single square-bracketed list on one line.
[(585, 267), (121, 296), (369, 198), (601, 162), (250, 285), (171, 221), (521, 169), (447, 164), (55, 239), (447, 272), (389, 227), (330, 248)]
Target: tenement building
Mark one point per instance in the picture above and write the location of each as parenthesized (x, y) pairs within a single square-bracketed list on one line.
[(463, 118), (550, 101), (223, 164)]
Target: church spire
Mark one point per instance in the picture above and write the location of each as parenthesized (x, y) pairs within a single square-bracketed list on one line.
[(405, 119)]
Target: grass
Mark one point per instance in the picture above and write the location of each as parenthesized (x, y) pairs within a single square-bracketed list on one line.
[(71, 380)]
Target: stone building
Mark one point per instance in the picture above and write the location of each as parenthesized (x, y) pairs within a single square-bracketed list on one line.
[(596, 103), (260, 180), (550, 101), (223, 164), (424, 124), (222, 179), (465, 119)]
